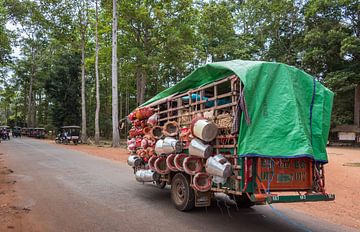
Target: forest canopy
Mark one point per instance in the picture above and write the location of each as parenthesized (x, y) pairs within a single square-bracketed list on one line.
[(159, 43)]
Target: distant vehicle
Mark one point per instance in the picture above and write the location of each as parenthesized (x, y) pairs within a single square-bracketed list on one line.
[(68, 134), (5, 132), (39, 133), (16, 132), (31, 132), (24, 131)]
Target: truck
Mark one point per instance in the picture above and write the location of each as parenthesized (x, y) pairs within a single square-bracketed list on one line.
[(253, 130)]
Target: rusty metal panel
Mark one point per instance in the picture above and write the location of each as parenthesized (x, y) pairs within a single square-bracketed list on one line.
[(285, 174)]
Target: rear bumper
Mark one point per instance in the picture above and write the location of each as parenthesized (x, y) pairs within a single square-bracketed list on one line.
[(300, 198), (271, 198)]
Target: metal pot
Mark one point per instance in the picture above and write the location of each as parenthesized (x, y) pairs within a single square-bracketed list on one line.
[(199, 149), (144, 175), (167, 146), (204, 129), (218, 166), (134, 160)]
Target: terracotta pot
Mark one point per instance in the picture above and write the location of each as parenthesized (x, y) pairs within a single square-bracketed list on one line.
[(144, 113), (132, 116), (138, 142), (170, 161), (151, 162), (153, 120), (178, 161), (202, 182), (132, 132), (161, 166), (192, 165), (171, 129), (151, 151), (144, 143), (156, 132), (147, 130), (131, 147)]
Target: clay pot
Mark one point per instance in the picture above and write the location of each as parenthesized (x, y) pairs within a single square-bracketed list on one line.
[(153, 120), (138, 142), (151, 151), (130, 141), (161, 166), (178, 161), (192, 165), (170, 161), (144, 143), (147, 130), (151, 162), (144, 113), (131, 147), (171, 129), (132, 116), (132, 132), (202, 182), (156, 132)]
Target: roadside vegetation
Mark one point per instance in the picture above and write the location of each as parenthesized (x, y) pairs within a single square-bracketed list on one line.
[(60, 61)]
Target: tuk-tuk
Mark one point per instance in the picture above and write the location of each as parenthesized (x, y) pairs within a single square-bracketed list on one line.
[(39, 133), (5, 132), (16, 132), (31, 132), (24, 131), (68, 134)]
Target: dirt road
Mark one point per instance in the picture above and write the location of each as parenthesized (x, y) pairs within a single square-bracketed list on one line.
[(72, 191)]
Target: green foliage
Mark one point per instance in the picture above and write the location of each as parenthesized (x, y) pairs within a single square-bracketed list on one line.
[(159, 42)]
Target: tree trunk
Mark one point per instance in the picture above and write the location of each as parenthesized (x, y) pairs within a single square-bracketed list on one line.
[(114, 72), (357, 106), (30, 113), (97, 131), (83, 100)]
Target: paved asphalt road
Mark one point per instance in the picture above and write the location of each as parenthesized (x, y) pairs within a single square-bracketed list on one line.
[(73, 191)]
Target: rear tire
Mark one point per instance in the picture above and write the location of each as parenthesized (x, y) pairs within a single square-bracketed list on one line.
[(182, 195)]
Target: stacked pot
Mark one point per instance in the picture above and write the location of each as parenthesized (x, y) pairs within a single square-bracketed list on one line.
[(159, 149), (217, 168)]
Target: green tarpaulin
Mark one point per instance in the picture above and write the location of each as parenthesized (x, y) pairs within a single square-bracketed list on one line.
[(290, 111)]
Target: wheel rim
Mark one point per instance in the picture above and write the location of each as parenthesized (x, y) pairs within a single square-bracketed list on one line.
[(180, 192)]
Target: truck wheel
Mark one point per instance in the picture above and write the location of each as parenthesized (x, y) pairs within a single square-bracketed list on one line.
[(243, 201), (182, 195)]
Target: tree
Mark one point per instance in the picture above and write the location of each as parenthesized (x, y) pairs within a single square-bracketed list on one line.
[(83, 27), (114, 75), (97, 111)]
